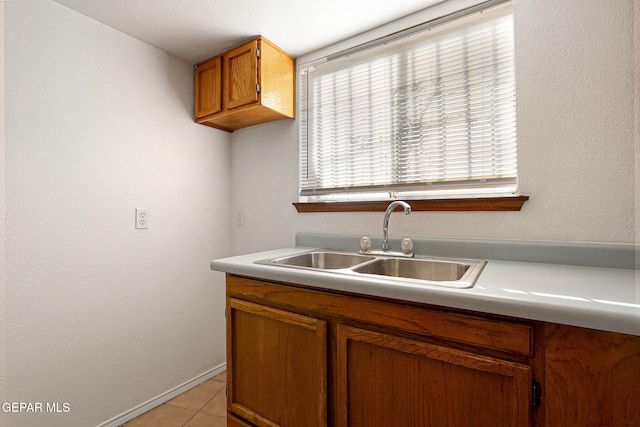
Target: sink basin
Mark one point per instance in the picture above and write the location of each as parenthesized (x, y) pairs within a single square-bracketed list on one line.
[(421, 269), (322, 260), (448, 272)]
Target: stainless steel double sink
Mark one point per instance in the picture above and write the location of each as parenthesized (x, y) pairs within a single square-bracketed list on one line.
[(447, 272)]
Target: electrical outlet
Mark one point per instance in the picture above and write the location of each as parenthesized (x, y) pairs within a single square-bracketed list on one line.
[(142, 218), (240, 217)]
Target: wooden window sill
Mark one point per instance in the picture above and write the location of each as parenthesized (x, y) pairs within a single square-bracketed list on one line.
[(511, 203)]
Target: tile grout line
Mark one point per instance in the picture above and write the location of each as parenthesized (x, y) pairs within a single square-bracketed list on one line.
[(199, 411), (214, 396), (190, 419)]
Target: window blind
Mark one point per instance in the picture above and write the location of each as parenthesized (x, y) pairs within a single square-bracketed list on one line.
[(432, 113)]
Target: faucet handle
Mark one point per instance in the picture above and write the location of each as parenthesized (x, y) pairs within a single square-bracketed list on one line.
[(365, 244), (407, 246)]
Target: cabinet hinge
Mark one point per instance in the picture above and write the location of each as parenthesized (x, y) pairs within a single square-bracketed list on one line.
[(258, 53), (536, 394), (258, 87)]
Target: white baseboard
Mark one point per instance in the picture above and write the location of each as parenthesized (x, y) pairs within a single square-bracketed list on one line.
[(159, 400)]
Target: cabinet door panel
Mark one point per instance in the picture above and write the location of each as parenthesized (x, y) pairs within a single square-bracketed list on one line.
[(387, 381), (278, 366), (592, 377), (241, 72), (208, 87)]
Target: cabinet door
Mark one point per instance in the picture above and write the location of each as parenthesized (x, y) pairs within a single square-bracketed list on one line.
[(208, 87), (278, 366), (592, 377), (386, 381), (241, 75)]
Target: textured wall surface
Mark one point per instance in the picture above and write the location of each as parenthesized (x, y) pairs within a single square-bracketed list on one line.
[(100, 315), (636, 108), (3, 264), (265, 183), (575, 89), (95, 124)]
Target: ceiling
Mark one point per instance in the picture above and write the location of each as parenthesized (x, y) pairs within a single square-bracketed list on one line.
[(195, 30)]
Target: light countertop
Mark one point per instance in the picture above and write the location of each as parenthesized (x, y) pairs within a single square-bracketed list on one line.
[(592, 297)]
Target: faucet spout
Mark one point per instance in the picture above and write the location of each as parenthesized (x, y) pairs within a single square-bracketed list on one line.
[(385, 222)]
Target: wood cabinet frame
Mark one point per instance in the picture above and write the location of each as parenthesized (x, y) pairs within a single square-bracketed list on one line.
[(256, 84), (582, 377), (496, 346)]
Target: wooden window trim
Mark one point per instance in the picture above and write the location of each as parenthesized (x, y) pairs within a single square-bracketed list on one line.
[(511, 203)]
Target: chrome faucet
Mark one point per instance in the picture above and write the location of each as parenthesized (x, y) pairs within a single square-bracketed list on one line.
[(385, 222), (407, 244)]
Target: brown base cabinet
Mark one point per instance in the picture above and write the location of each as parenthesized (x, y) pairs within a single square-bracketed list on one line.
[(303, 357), (286, 356), (383, 380), (592, 377)]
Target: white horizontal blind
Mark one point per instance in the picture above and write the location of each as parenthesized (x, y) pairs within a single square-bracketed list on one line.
[(433, 112)]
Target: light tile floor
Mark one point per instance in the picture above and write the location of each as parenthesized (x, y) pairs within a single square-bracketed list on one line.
[(205, 405)]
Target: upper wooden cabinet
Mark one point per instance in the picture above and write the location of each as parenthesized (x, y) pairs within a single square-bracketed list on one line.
[(208, 83), (241, 75), (248, 85)]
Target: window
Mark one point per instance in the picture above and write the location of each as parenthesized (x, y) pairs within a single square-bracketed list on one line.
[(430, 114)]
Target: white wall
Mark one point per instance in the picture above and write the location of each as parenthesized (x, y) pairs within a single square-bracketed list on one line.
[(3, 264), (575, 86), (101, 315), (265, 177), (636, 108), (105, 317)]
